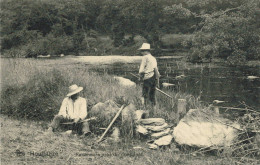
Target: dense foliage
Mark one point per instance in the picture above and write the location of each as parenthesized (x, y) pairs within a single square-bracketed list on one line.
[(219, 28), (232, 33)]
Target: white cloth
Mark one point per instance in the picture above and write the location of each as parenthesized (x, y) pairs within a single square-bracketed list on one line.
[(148, 65), (73, 109)]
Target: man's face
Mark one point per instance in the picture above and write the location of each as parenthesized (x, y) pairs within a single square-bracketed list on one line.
[(75, 96), (143, 52)]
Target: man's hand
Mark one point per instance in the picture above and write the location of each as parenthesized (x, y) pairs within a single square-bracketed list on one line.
[(157, 83), (76, 120), (141, 76)]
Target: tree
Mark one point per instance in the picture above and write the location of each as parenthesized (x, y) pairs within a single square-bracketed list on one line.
[(179, 19), (143, 18), (232, 32), (135, 17)]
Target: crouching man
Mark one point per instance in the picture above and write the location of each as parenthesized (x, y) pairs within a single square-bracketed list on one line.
[(73, 109)]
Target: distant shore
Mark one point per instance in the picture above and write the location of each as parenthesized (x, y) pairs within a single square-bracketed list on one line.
[(115, 59), (107, 59), (110, 59)]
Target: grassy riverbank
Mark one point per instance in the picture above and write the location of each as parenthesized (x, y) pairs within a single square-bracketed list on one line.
[(33, 90)]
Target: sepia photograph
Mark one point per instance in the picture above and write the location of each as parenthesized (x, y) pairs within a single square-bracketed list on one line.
[(141, 82)]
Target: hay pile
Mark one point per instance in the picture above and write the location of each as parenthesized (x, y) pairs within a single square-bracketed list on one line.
[(105, 112)]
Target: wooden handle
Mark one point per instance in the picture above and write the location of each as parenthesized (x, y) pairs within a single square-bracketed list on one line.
[(164, 93), (92, 118), (114, 119)]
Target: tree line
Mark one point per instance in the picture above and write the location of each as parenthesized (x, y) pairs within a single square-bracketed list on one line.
[(219, 28)]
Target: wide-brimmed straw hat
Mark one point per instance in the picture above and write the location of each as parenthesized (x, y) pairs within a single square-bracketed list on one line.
[(145, 46), (73, 89)]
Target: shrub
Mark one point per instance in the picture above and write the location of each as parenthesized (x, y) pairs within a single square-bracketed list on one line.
[(43, 46), (238, 58), (195, 56), (176, 41), (37, 99), (54, 45)]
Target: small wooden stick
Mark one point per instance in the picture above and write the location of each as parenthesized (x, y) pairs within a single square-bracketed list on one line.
[(114, 119), (92, 118), (242, 109)]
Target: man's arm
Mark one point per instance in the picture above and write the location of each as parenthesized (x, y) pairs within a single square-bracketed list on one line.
[(143, 63), (83, 109), (157, 76), (63, 109), (141, 69)]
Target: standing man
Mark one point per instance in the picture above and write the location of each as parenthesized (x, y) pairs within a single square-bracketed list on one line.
[(149, 73), (73, 108)]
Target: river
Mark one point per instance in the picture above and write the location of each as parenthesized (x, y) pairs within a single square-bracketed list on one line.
[(207, 81)]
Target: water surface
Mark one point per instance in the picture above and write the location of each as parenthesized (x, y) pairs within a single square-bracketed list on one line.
[(207, 81)]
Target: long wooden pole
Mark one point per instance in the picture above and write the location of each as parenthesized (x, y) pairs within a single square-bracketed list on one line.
[(164, 93), (155, 88), (114, 119)]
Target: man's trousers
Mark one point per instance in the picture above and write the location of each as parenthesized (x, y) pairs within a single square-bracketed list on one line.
[(149, 88), (81, 127)]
